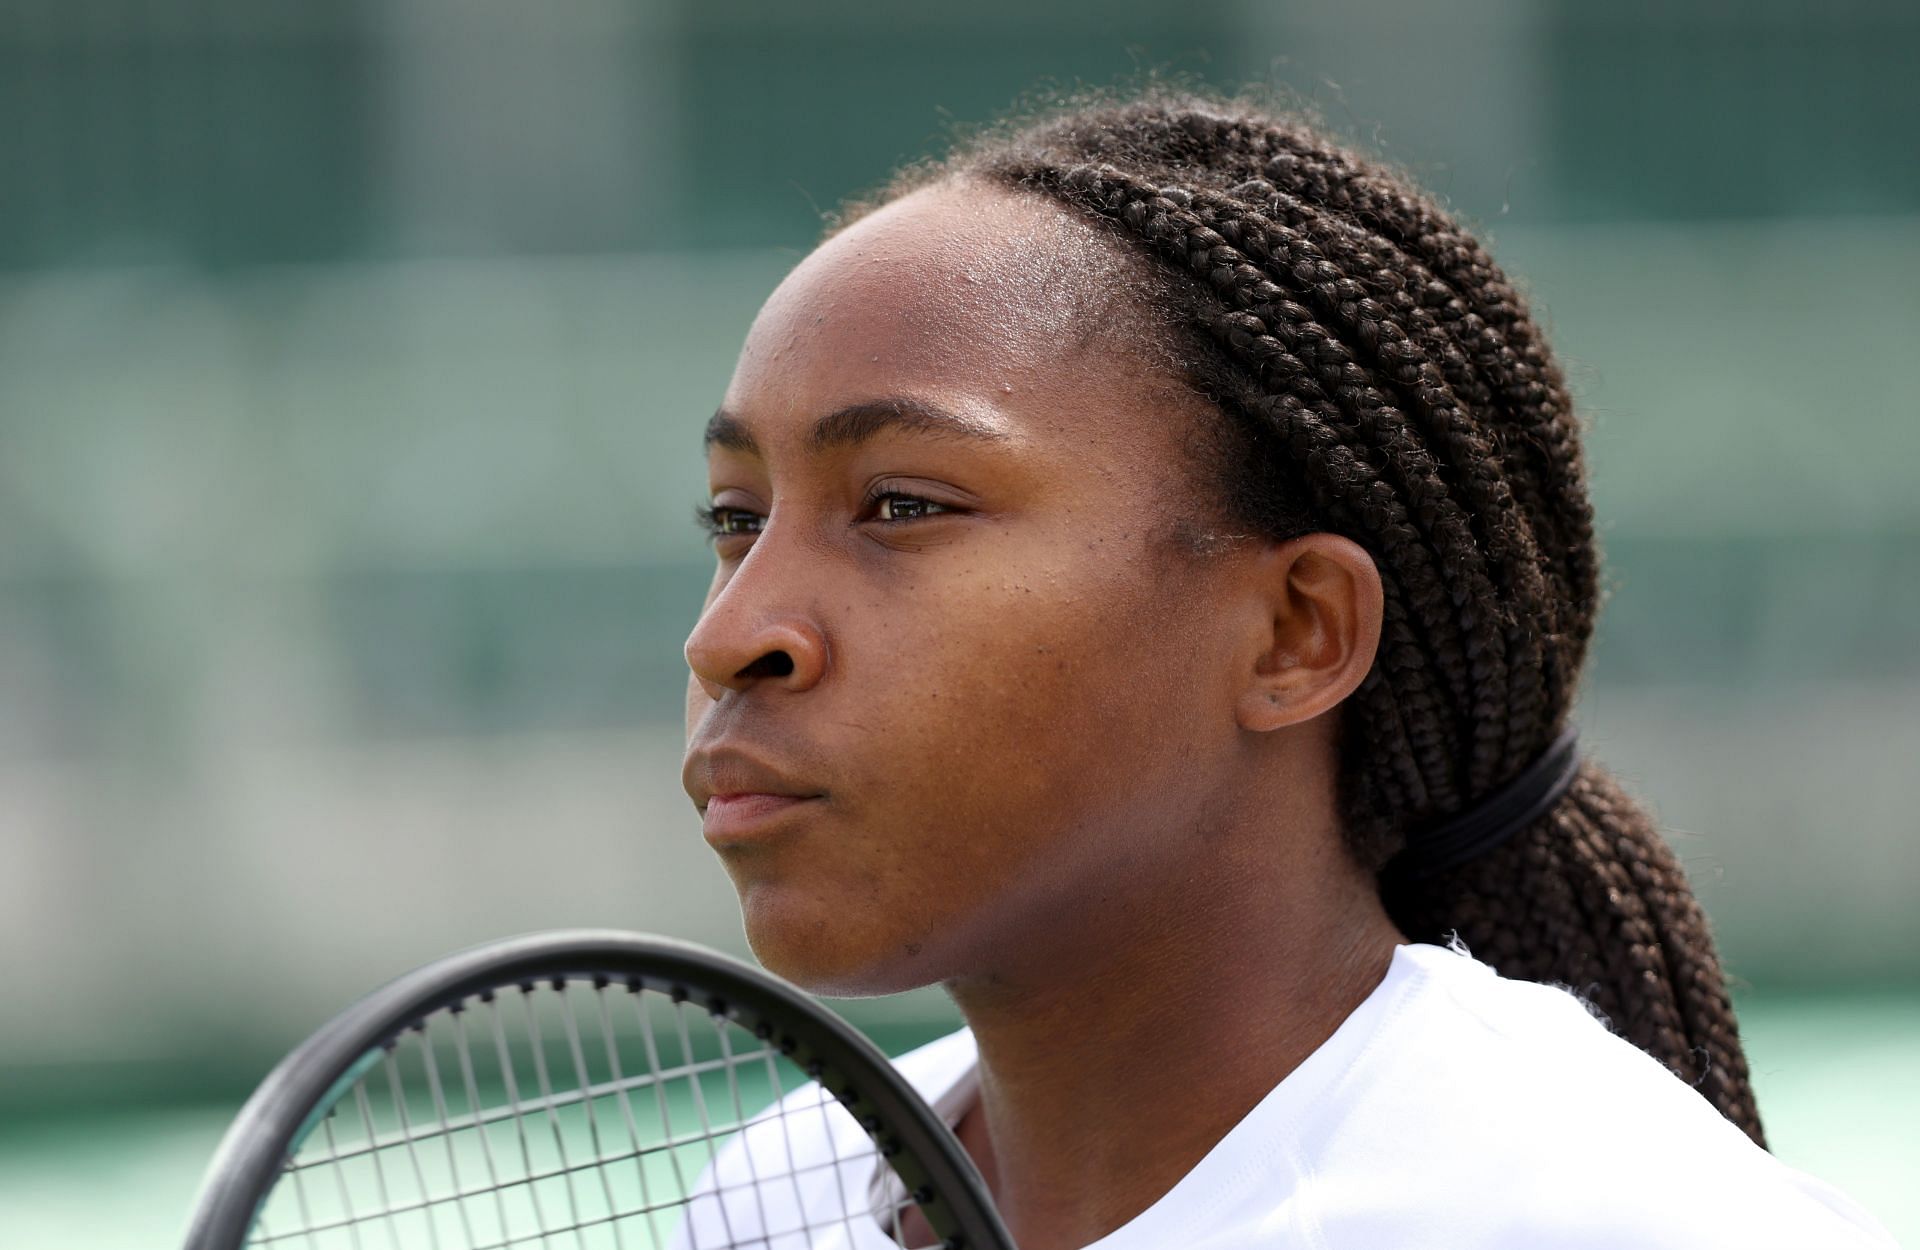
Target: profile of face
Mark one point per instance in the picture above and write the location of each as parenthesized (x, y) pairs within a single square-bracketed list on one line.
[(965, 689)]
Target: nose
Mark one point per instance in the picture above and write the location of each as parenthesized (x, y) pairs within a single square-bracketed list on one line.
[(754, 631)]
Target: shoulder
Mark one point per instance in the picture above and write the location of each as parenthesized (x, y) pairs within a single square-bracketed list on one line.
[(1505, 1114), (811, 1126), (808, 1127), (815, 1151)]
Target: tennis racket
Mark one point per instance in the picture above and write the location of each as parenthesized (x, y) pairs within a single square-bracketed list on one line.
[(586, 1089)]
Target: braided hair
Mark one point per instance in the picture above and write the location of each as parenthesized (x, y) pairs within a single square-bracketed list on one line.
[(1382, 379)]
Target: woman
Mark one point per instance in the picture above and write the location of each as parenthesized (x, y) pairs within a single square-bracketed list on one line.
[(1154, 571)]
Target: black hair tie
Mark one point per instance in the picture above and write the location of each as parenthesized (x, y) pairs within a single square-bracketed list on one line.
[(1493, 820)]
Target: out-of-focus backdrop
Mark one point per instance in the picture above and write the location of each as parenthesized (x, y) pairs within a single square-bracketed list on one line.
[(353, 359)]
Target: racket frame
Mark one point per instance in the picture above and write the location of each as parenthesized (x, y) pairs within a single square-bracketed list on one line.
[(300, 1091)]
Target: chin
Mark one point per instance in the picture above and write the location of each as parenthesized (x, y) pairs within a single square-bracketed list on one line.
[(830, 951)]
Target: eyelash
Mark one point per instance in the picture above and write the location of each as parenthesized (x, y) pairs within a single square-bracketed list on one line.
[(710, 520), (714, 519)]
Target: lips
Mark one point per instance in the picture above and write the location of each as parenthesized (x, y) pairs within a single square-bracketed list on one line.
[(740, 795), (737, 817)]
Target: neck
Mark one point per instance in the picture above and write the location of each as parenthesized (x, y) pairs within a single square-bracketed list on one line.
[(1113, 1058)]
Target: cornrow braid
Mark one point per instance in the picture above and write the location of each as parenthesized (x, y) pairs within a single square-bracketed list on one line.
[(1382, 379)]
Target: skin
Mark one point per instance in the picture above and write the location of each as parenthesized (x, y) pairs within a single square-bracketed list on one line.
[(1034, 742)]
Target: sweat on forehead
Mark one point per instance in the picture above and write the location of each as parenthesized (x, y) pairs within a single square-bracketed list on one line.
[(950, 272)]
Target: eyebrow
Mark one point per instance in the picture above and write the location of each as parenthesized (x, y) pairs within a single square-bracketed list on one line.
[(856, 423)]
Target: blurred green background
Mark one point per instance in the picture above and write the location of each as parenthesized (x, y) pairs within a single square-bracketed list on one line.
[(353, 358)]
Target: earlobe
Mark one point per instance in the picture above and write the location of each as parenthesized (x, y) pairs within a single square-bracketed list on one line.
[(1323, 603)]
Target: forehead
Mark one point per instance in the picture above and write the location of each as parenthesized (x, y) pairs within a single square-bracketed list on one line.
[(956, 289)]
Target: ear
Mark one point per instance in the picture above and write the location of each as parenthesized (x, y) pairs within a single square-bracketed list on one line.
[(1318, 631)]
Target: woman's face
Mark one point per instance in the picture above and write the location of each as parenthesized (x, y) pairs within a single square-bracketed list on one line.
[(955, 693)]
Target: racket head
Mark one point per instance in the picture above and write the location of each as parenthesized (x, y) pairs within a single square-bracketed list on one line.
[(295, 1099)]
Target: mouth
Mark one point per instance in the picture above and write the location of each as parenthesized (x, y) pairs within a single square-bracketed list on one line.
[(741, 797), (744, 817)]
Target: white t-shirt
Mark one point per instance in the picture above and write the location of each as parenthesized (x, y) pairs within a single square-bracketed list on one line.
[(1453, 1109)]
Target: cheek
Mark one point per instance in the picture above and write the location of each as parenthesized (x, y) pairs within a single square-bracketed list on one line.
[(998, 746), (1058, 678), (1025, 717)]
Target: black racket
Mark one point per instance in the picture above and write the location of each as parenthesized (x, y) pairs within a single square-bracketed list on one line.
[(587, 1089)]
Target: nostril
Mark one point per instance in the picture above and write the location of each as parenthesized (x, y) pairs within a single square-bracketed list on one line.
[(772, 664)]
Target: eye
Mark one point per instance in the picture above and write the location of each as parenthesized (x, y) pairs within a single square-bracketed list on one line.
[(896, 505), (723, 522)]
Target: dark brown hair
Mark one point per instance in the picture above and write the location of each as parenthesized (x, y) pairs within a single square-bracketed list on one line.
[(1382, 379)]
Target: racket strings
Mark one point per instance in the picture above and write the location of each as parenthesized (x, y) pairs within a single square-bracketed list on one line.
[(586, 1115)]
